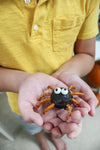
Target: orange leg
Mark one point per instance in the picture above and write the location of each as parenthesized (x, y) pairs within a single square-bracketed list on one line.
[(75, 101), (48, 108), (69, 111), (43, 101), (71, 87), (77, 93), (44, 94), (50, 87)]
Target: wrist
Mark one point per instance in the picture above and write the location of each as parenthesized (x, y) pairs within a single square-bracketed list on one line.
[(59, 74), (67, 69), (11, 80), (21, 79)]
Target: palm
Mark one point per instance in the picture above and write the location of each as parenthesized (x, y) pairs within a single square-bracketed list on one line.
[(81, 86), (31, 89)]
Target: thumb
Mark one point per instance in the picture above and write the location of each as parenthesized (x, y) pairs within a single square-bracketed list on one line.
[(33, 117), (29, 115), (36, 118)]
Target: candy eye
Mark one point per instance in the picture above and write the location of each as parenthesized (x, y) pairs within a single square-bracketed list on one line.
[(64, 91), (57, 90)]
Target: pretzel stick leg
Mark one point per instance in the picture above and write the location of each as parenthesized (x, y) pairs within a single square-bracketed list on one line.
[(50, 87), (48, 108), (77, 93), (44, 94), (71, 87), (69, 111), (43, 101), (75, 101)]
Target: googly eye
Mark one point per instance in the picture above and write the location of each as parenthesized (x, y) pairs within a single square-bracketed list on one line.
[(64, 91), (57, 90)]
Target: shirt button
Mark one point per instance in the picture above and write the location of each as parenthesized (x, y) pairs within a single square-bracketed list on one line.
[(35, 27), (27, 1)]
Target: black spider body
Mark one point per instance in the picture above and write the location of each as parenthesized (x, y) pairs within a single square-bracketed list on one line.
[(61, 99)]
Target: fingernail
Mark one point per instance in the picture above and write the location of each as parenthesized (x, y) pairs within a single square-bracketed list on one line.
[(92, 111), (72, 136), (40, 122)]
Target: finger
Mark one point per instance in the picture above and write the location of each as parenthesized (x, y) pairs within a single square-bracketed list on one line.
[(32, 117), (55, 121), (83, 111), (29, 115), (75, 133), (83, 104), (93, 103), (49, 115), (81, 86), (67, 128), (56, 132), (48, 127), (63, 114), (76, 117), (83, 107), (93, 106), (90, 98)]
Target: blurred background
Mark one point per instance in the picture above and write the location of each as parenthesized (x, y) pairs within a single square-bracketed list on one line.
[(13, 137)]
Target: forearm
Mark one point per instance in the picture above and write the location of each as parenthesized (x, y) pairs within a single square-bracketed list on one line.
[(80, 65), (10, 80)]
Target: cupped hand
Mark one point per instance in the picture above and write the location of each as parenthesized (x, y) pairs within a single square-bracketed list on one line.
[(87, 105), (32, 87), (81, 86), (54, 120), (72, 127)]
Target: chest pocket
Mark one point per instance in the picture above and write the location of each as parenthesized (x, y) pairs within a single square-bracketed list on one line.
[(64, 32)]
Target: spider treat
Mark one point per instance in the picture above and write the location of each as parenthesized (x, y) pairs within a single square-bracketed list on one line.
[(60, 98)]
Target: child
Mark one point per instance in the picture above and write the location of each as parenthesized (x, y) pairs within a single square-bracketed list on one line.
[(37, 41)]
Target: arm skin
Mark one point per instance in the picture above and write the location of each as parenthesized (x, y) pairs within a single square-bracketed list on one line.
[(83, 60), (11, 80)]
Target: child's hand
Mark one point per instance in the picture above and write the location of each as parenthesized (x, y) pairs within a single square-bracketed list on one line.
[(87, 105), (54, 119), (29, 91), (81, 86), (72, 128)]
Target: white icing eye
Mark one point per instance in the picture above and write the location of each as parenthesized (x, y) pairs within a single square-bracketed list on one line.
[(64, 91), (57, 90)]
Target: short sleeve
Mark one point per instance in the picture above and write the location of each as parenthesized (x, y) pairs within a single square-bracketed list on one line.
[(89, 28)]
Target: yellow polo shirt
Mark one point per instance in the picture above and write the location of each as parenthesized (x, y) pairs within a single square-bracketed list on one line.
[(40, 37)]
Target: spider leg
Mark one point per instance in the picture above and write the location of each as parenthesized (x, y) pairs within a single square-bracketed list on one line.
[(46, 94), (75, 101), (71, 87), (69, 111), (43, 101), (77, 93), (48, 108), (42, 95), (50, 87)]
